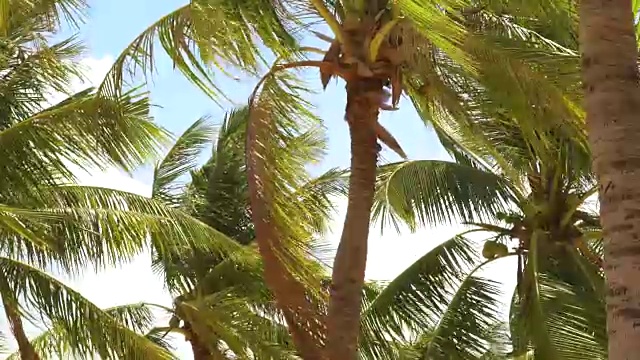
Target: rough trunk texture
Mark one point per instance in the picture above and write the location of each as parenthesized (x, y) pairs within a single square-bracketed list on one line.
[(612, 100), (343, 320), (305, 322), (25, 348), (200, 352)]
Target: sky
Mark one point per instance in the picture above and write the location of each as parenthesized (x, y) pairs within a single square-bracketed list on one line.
[(115, 23)]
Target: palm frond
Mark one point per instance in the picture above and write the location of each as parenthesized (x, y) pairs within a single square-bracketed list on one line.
[(93, 331), (432, 192), (204, 35), (56, 342), (181, 158), (318, 196), (415, 301), (85, 130), (37, 16), (565, 315), (282, 139), (222, 318), (82, 226)]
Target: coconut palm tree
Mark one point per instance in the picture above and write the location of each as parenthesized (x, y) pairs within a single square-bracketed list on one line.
[(540, 187), (380, 49), (57, 342), (612, 100), (222, 304), (48, 224)]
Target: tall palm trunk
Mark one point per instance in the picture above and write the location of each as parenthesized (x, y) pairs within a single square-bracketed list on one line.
[(25, 348), (612, 100), (343, 320)]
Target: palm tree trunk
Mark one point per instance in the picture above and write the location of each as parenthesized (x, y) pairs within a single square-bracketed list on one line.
[(343, 319), (25, 348), (200, 350), (612, 100)]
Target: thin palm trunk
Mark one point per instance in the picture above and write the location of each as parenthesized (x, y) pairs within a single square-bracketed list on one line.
[(343, 320), (25, 348), (612, 100)]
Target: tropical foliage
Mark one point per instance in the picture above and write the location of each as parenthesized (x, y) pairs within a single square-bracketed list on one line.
[(222, 305), (497, 82), (437, 53), (530, 195), (49, 224)]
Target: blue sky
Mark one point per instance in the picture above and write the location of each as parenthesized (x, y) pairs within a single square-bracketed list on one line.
[(112, 25)]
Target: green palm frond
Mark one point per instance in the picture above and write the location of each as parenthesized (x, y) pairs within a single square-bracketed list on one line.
[(224, 318), (180, 159), (56, 341), (420, 300), (318, 195), (283, 137), (32, 73), (27, 17), (85, 130), (431, 192), (564, 307), (93, 330), (463, 326), (80, 226), (186, 36), (158, 336)]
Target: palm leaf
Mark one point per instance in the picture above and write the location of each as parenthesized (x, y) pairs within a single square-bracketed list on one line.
[(93, 331), (416, 300), (96, 226), (186, 36), (564, 314), (85, 130), (281, 141), (56, 342), (180, 159), (431, 192)]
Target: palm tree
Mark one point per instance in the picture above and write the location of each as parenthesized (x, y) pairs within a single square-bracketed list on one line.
[(49, 224), (612, 100), (530, 191), (222, 303), (57, 342), (380, 49)]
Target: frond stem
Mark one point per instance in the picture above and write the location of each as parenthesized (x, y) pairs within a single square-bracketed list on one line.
[(329, 18)]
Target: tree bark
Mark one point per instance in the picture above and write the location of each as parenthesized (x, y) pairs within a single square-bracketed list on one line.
[(343, 319), (612, 100), (200, 352), (25, 348)]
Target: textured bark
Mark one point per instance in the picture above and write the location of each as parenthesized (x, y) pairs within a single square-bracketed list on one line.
[(25, 348), (612, 100), (200, 352), (343, 319), (304, 321)]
